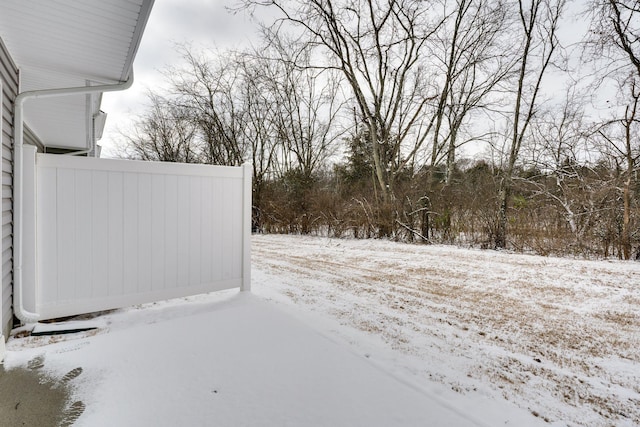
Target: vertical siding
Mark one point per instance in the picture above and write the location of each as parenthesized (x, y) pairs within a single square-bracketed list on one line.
[(116, 233), (9, 75)]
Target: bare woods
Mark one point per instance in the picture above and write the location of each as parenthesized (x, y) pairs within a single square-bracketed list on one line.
[(496, 123)]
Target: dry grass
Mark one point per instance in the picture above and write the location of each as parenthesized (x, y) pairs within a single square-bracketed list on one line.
[(560, 335)]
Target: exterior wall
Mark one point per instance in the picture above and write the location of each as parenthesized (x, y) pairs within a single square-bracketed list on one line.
[(9, 78)]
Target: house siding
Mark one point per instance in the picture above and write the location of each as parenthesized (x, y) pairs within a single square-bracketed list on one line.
[(9, 76)]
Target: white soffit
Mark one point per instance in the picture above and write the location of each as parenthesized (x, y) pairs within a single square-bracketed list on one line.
[(70, 43), (67, 129)]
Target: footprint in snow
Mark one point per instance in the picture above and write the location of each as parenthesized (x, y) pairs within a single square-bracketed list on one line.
[(68, 377), (72, 413), (36, 363)]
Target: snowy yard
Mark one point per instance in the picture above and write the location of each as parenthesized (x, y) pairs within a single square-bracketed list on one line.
[(557, 337), (366, 333), (227, 359)]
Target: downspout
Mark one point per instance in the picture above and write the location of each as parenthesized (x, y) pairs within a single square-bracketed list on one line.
[(18, 308)]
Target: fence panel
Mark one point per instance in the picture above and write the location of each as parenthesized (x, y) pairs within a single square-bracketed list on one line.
[(113, 233)]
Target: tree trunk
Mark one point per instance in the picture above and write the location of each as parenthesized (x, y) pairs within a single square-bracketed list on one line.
[(501, 228), (451, 155), (630, 118), (626, 218), (385, 217), (426, 208)]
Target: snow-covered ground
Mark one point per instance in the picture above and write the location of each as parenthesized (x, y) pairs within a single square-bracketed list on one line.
[(226, 359), (366, 333), (559, 338)]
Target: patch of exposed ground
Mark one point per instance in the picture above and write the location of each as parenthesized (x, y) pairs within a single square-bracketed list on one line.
[(30, 397)]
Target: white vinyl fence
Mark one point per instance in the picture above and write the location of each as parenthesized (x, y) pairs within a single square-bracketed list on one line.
[(113, 233)]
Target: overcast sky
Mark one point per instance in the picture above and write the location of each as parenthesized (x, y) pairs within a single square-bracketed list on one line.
[(204, 23)]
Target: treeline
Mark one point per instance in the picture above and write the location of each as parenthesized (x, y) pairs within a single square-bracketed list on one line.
[(578, 212), (355, 115)]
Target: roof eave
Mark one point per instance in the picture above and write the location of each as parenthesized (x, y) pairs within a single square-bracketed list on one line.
[(145, 12)]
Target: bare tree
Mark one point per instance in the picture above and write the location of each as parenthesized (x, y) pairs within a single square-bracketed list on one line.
[(258, 127), (207, 88), (538, 22), (304, 105), (474, 57), (615, 35), (621, 138), (307, 102), (560, 151), (165, 132), (379, 48)]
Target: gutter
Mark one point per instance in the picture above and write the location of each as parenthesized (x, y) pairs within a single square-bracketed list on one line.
[(18, 307)]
